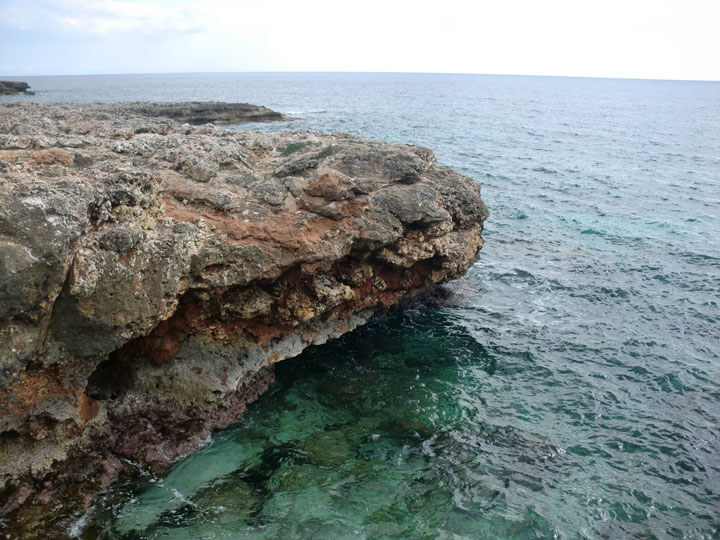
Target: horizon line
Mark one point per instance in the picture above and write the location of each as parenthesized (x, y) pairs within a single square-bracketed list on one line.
[(659, 79)]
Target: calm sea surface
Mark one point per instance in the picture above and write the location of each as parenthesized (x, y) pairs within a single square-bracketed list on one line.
[(573, 391)]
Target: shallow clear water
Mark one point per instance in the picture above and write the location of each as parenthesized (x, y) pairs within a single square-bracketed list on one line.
[(574, 391)]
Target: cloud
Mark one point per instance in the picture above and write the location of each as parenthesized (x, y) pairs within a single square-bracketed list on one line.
[(97, 18)]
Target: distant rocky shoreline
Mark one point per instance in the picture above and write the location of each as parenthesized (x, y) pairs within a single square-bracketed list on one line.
[(154, 267), (196, 112), (10, 88)]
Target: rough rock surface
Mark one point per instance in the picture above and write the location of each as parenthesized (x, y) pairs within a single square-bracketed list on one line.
[(151, 273), (9, 88), (198, 112)]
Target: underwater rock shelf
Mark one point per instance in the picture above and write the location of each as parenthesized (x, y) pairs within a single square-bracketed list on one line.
[(152, 272)]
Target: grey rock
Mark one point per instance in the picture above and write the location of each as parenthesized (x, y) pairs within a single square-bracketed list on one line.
[(198, 113), (8, 88), (121, 239)]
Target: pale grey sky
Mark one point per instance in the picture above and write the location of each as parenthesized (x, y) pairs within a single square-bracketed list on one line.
[(674, 39)]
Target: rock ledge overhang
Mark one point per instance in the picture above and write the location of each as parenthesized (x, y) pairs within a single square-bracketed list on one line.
[(152, 272)]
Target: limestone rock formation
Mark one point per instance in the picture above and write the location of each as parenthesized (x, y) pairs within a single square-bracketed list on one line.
[(152, 272), (9, 88), (198, 112)]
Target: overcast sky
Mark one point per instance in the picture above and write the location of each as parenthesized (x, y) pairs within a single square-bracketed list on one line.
[(672, 39)]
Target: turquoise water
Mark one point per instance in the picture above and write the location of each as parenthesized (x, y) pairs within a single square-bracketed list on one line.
[(572, 390)]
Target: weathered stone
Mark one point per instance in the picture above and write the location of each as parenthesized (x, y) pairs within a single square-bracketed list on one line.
[(147, 289), (197, 113), (121, 239), (8, 88)]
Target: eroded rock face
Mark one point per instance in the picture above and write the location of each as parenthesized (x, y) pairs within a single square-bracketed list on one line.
[(151, 272)]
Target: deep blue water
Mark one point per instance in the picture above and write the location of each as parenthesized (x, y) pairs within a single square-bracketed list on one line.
[(573, 392)]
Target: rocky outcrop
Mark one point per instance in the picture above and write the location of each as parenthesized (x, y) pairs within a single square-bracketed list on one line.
[(10, 88), (199, 112), (151, 273)]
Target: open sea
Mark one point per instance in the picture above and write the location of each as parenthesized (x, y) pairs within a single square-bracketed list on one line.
[(573, 388)]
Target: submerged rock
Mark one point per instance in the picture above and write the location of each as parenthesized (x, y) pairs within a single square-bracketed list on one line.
[(152, 272)]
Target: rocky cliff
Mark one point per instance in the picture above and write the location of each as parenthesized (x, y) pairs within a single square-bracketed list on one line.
[(151, 273)]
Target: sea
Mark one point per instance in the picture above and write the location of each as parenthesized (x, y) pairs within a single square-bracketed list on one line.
[(570, 387)]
